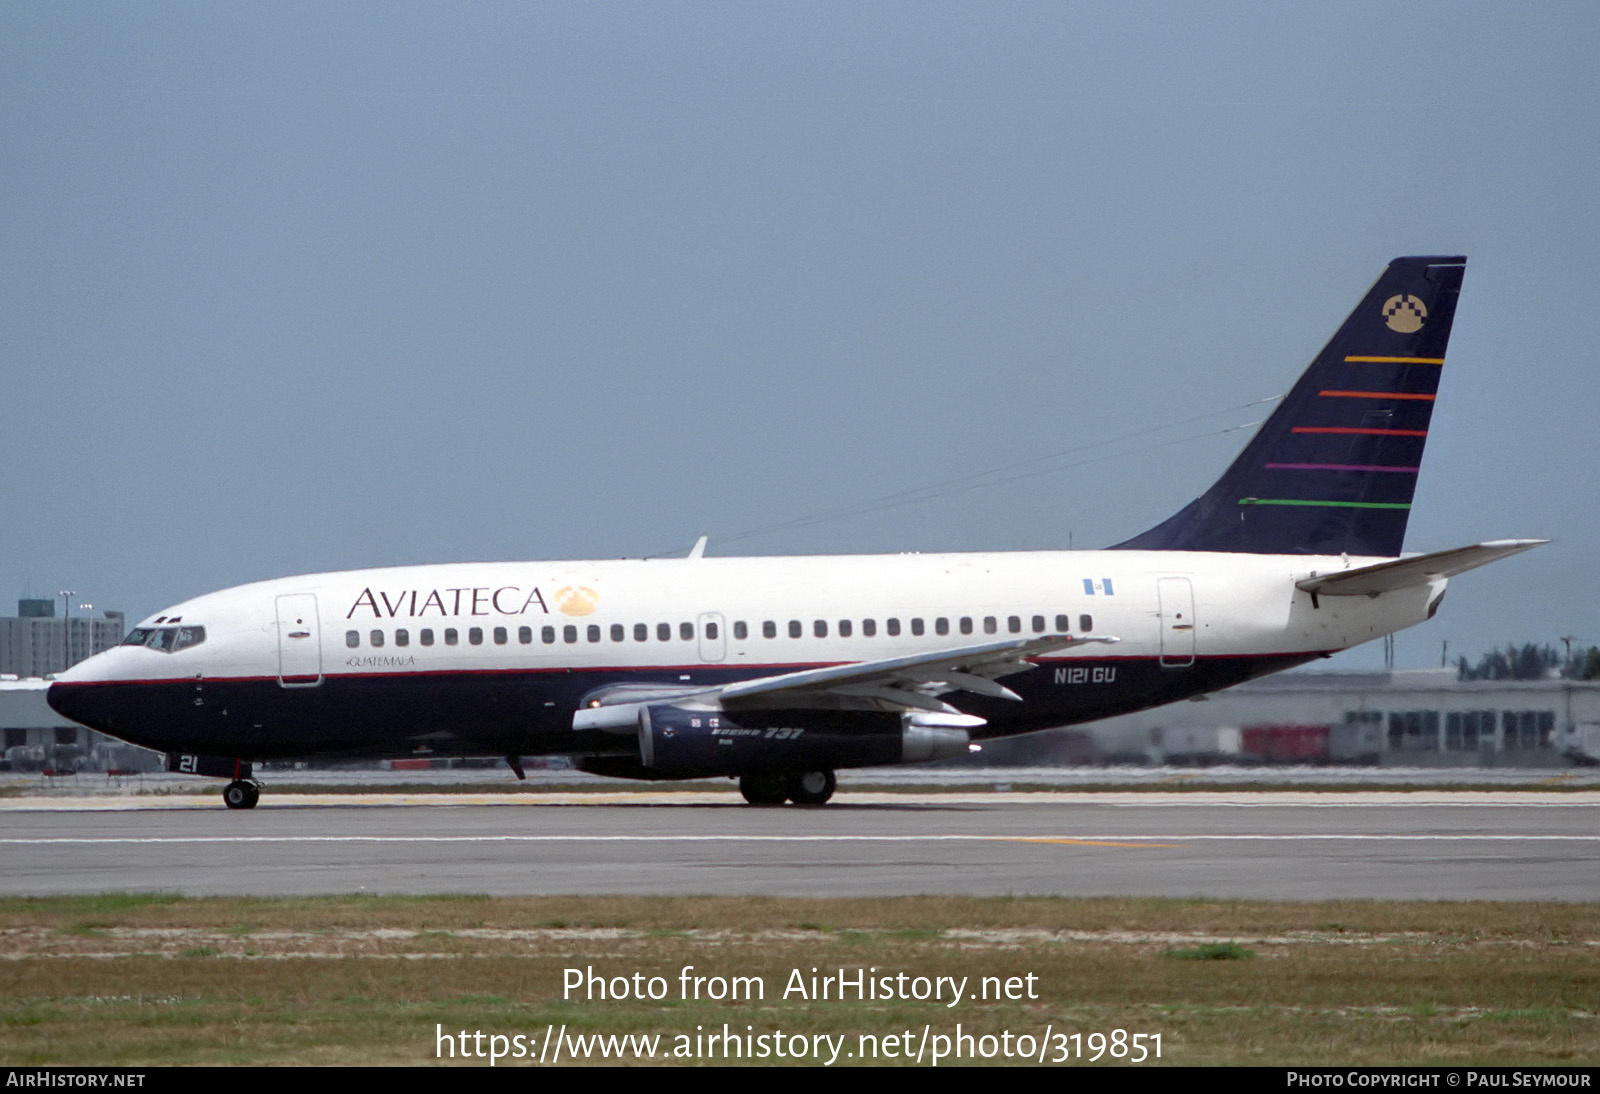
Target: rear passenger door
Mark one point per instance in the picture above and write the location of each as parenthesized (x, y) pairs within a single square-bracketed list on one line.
[(1177, 621)]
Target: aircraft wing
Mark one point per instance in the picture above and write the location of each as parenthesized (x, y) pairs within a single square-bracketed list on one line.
[(1385, 577), (914, 682), (896, 684)]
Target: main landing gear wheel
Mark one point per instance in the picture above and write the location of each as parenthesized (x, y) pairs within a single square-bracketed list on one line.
[(240, 794), (811, 787), (764, 789)]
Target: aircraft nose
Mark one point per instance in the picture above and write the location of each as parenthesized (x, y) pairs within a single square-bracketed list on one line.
[(72, 701), (90, 670), (73, 694)]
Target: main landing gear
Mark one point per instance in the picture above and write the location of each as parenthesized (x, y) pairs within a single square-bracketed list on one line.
[(242, 794), (800, 787)]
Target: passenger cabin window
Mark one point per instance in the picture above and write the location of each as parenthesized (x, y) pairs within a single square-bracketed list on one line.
[(1086, 623), (941, 625), (351, 639), (740, 631), (916, 626), (1038, 624), (795, 629), (427, 636), (966, 624), (769, 629), (686, 631), (869, 627), (450, 636), (525, 635), (569, 634), (820, 628), (892, 625), (594, 632), (711, 630), (641, 632), (500, 636), (402, 637), (1063, 624), (844, 628), (619, 633), (547, 635), (475, 635), (664, 632), (989, 625), (1014, 624), (376, 638)]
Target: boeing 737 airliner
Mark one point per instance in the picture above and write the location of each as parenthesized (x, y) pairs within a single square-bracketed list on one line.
[(778, 671)]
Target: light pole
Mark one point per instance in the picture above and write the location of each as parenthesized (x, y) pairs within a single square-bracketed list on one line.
[(88, 629), (66, 629)]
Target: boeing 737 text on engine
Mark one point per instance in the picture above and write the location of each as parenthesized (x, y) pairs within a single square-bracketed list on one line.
[(778, 671)]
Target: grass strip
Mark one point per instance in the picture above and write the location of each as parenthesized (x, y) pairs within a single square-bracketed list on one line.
[(131, 979)]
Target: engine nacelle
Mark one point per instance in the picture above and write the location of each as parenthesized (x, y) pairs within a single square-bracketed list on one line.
[(684, 741)]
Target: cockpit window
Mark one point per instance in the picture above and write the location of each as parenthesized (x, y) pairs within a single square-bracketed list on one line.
[(189, 636), (166, 639)]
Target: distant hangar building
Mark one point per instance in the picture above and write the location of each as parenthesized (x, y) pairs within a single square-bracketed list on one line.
[(1407, 718)]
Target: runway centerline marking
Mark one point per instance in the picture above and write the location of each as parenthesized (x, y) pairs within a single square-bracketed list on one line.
[(1099, 840), (1082, 842)]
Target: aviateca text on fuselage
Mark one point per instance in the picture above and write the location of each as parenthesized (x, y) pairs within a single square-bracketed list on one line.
[(778, 671)]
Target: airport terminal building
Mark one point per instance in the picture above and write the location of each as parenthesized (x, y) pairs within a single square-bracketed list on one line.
[(36, 642), (34, 645)]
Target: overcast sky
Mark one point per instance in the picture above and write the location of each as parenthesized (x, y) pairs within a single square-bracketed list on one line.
[(298, 287)]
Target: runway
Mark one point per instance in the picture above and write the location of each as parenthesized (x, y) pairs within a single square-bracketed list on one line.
[(1284, 846)]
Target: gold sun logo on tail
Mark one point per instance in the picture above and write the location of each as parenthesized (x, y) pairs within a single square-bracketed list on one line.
[(1405, 314)]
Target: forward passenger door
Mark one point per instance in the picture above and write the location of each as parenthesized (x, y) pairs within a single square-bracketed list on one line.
[(299, 641)]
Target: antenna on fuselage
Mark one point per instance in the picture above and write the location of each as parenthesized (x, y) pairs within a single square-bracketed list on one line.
[(699, 548)]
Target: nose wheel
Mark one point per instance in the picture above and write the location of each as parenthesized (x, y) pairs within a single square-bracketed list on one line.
[(241, 794)]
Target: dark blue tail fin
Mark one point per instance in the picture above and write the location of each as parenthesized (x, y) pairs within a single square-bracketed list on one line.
[(1333, 470)]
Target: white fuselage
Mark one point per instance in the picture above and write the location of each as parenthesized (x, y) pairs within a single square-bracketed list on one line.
[(570, 626)]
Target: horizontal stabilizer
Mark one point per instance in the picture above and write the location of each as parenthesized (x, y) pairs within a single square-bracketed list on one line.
[(1387, 576)]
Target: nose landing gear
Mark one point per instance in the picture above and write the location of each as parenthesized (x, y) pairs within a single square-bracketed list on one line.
[(241, 794)]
